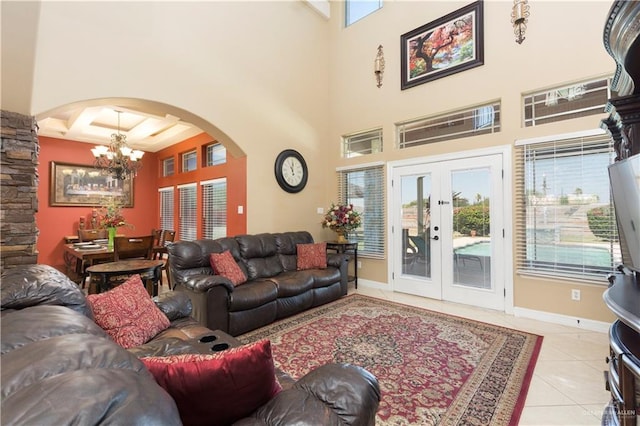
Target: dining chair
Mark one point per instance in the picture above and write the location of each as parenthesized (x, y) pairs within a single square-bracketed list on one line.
[(160, 249), (133, 248), (88, 235)]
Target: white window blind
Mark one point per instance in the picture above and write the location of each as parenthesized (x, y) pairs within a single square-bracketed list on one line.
[(364, 188), (214, 208), (167, 199), (564, 216), (188, 212)]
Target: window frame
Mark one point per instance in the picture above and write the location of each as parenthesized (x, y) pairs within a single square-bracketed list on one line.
[(209, 154), (188, 220), (210, 200), (166, 206), (531, 207), (365, 137), (165, 171), (186, 159), (372, 234)]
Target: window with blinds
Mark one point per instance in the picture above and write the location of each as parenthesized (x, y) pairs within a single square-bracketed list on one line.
[(364, 188), (214, 208), (462, 123), (564, 215), (187, 227), (166, 208), (362, 143)]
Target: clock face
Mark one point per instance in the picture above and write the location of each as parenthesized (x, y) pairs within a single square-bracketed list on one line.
[(291, 171)]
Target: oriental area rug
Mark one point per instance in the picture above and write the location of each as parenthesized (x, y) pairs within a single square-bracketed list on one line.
[(433, 368)]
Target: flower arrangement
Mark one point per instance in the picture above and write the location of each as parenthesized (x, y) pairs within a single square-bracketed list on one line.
[(111, 214), (341, 218)]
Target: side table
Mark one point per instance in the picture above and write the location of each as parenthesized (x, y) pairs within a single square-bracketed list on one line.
[(350, 247), (149, 270)]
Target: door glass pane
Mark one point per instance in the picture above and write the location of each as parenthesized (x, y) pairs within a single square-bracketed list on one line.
[(471, 227), (416, 196)]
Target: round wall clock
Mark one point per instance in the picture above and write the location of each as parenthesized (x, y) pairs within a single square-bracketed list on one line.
[(291, 171)]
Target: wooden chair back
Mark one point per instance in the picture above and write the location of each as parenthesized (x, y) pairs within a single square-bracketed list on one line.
[(133, 247), (92, 234), (167, 236)]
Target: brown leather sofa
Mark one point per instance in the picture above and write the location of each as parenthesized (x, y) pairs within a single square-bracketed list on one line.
[(275, 288), (59, 367)]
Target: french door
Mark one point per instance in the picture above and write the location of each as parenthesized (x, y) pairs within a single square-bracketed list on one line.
[(448, 233)]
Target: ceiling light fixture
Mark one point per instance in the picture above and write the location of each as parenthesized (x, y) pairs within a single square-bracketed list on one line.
[(519, 18), (117, 159), (378, 66)]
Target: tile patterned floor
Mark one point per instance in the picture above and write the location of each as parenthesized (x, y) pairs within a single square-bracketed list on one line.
[(568, 383), (567, 386)]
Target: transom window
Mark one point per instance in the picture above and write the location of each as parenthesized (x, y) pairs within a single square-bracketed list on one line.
[(168, 167), (566, 102), (362, 143), (215, 154), (474, 121), (358, 9), (189, 161)]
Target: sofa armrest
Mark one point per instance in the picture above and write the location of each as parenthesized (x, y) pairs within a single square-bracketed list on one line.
[(203, 283), (331, 394), (336, 259), (174, 304)]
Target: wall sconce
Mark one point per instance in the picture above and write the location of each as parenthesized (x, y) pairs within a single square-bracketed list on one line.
[(519, 15), (378, 66)]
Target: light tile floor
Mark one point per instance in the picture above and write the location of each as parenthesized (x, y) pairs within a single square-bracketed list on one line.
[(567, 387)]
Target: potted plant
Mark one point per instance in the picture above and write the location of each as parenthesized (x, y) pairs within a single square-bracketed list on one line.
[(342, 218)]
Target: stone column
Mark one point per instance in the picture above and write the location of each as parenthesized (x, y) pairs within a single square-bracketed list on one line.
[(19, 151)]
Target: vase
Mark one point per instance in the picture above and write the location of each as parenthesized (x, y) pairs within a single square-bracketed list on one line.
[(341, 237), (112, 235)]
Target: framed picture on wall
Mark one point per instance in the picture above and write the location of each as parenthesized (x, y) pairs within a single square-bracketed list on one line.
[(81, 185), (443, 47)]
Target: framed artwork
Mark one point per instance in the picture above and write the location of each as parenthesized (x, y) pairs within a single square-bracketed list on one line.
[(443, 47), (81, 185)]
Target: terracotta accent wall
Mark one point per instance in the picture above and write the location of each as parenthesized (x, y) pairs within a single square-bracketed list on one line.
[(234, 170), (57, 222)]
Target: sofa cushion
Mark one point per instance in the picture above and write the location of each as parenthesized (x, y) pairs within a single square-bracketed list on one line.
[(325, 277), (260, 255), (225, 265), (218, 389), (293, 283), (252, 295), (312, 256), (127, 313), (287, 242)]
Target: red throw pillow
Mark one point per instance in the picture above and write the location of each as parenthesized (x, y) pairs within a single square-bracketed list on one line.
[(312, 256), (220, 388), (127, 313), (225, 265)]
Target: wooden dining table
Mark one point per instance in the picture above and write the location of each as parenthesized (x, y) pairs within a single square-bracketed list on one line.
[(80, 254)]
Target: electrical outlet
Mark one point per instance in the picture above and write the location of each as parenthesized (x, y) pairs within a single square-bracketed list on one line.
[(359, 264), (575, 294), (320, 210)]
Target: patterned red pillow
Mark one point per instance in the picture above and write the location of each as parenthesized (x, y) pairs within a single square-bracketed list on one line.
[(221, 388), (127, 313), (225, 265), (312, 256)]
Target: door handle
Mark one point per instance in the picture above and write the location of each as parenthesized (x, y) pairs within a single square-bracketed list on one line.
[(436, 238)]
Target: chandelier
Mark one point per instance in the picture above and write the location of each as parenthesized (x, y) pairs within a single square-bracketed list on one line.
[(117, 159)]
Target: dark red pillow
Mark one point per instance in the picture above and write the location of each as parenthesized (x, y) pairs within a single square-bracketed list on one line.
[(225, 265), (220, 388), (127, 313), (312, 256)]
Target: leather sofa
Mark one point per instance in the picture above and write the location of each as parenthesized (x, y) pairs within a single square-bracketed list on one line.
[(59, 367), (274, 289)]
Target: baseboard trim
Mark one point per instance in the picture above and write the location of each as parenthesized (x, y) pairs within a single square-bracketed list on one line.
[(581, 323), (576, 322)]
